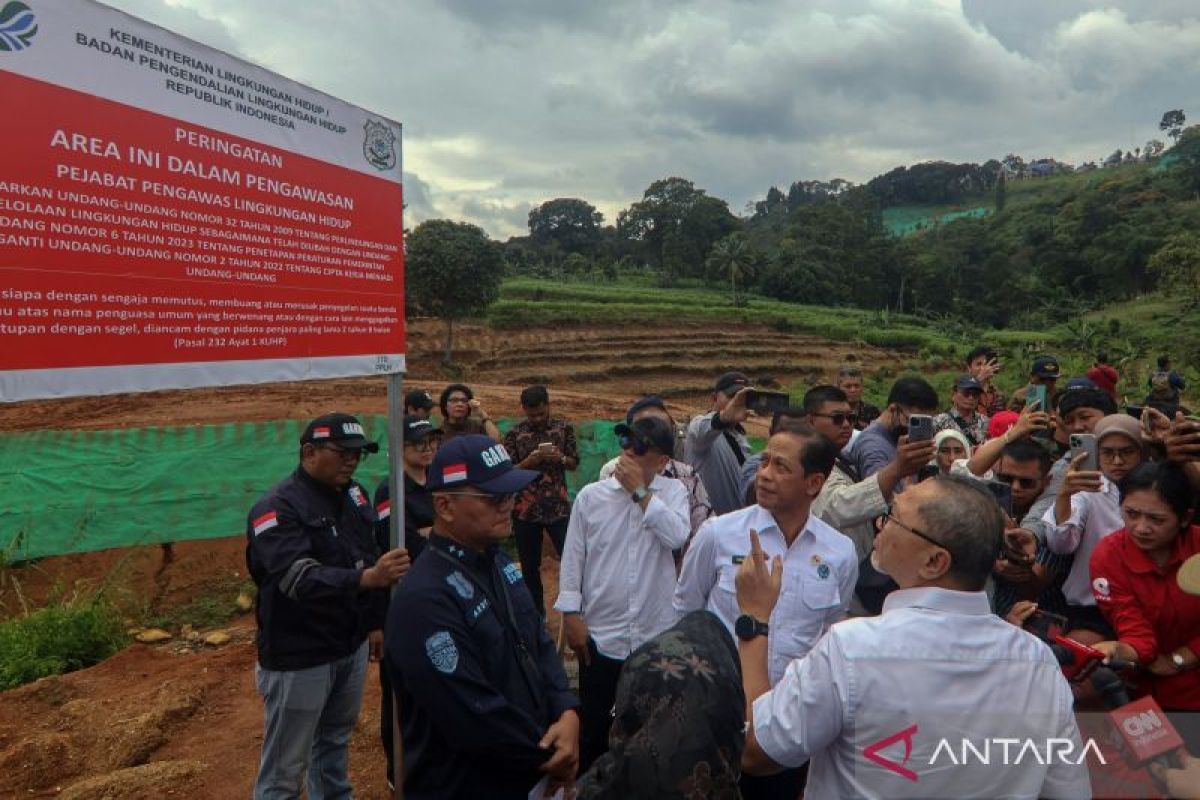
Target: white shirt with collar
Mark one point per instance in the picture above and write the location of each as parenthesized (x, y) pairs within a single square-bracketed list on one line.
[(1094, 515), (935, 669), (819, 573), (617, 567)]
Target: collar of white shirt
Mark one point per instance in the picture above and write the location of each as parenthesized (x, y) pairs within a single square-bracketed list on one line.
[(938, 599), (761, 520)]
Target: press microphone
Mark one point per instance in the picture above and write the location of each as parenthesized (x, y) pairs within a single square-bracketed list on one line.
[(1145, 730)]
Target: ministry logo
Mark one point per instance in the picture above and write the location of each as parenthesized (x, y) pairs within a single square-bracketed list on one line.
[(379, 145), (18, 26)]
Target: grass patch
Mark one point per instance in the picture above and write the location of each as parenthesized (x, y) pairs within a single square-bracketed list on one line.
[(59, 638), (213, 608)]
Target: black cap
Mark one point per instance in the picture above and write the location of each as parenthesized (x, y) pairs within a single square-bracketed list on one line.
[(343, 429), (968, 382), (645, 433), (417, 429), (1045, 367), (476, 460), (731, 380), (418, 398), (649, 401)]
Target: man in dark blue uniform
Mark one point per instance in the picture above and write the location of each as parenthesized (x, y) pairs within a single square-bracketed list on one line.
[(485, 710), (321, 591)]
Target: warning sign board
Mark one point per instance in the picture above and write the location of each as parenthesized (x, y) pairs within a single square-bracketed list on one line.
[(172, 216)]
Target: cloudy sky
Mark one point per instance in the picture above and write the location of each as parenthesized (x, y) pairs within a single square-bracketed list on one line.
[(507, 103)]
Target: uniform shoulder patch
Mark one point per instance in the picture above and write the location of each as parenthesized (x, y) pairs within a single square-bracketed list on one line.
[(264, 522), (460, 584), (442, 652), (356, 494), (512, 573), (1101, 588)]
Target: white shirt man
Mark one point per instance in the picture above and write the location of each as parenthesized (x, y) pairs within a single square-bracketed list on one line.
[(823, 567), (898, 705), (617, 569)]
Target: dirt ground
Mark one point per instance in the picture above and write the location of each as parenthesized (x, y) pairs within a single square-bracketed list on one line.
[(183, 719)]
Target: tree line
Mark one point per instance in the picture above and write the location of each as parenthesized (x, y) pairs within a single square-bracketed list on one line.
[(1108, 237)]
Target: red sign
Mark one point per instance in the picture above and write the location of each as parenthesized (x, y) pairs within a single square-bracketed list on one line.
[(253, 233)]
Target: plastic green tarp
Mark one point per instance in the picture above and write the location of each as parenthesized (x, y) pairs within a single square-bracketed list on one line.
[(77, 491)]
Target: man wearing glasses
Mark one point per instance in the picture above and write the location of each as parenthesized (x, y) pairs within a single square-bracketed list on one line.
[(485, 710), (321, 581), (848, 501), (871, 703)]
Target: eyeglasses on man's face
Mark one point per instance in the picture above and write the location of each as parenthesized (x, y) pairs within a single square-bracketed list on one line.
[(840, 417), (890, 516), (347, 453), (495, 500), (1024, 483)]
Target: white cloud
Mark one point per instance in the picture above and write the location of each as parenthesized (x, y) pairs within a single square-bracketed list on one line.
[(507, 104)]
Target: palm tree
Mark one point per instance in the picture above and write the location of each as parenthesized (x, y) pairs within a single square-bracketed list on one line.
[(732, 257)]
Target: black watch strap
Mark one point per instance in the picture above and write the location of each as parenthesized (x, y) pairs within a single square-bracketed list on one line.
[(747, 627)]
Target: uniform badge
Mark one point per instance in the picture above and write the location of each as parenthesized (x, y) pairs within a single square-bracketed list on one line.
[(512, 573), (461, 585), (442, 652), (823, 571), (816, 559), (356, 494), (1100, 585)]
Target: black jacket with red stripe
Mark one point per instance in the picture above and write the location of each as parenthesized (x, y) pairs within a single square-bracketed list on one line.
[(306, 548)]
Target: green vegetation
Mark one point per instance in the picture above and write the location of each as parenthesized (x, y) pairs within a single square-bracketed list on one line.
[(63, 636), (215, 607)]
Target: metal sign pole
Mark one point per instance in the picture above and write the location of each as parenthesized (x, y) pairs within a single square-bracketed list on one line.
[(395, 479)]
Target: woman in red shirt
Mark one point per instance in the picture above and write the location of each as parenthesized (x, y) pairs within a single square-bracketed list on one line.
[(1133, 575)]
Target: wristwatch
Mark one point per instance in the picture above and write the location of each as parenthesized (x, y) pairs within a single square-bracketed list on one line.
[(747, 628), (639, 494), (1177, 660)]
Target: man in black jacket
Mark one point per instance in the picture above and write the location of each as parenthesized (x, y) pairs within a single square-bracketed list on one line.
[(321, 582), (484, 706)]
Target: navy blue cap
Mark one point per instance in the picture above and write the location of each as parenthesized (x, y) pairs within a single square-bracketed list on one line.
[(1045, 367), (1081, 383), (966, 382), (649, 401), (417, 429), (476, 460)]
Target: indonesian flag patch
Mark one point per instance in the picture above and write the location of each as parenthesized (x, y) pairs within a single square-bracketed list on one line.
[(321, 433), (265, 522), (454, 473), (384, 509)]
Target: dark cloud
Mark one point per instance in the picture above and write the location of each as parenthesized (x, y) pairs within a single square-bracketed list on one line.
[(418, 206), (508, 104)]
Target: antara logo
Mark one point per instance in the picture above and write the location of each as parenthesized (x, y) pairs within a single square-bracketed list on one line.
[(906, 735), (1005, 751)]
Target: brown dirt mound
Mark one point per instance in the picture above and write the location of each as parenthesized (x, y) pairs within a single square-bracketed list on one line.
[(154, 780)]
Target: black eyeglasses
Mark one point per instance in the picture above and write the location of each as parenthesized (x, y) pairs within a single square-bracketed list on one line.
[(1024, 483), (840, 417), (888, 515), (497, 500), (347, 453)]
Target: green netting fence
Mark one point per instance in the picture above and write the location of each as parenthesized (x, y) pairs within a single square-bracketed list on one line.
[(78, 491)]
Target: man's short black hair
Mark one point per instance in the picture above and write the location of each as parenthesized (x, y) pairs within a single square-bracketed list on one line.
[(534, 396), (816, 398), (913, 393), (791, 412), (982, 350), (1023, 451), (817, 454), (1164, 361)]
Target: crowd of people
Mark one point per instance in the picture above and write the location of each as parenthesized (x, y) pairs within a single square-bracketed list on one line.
[(745, 624)]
